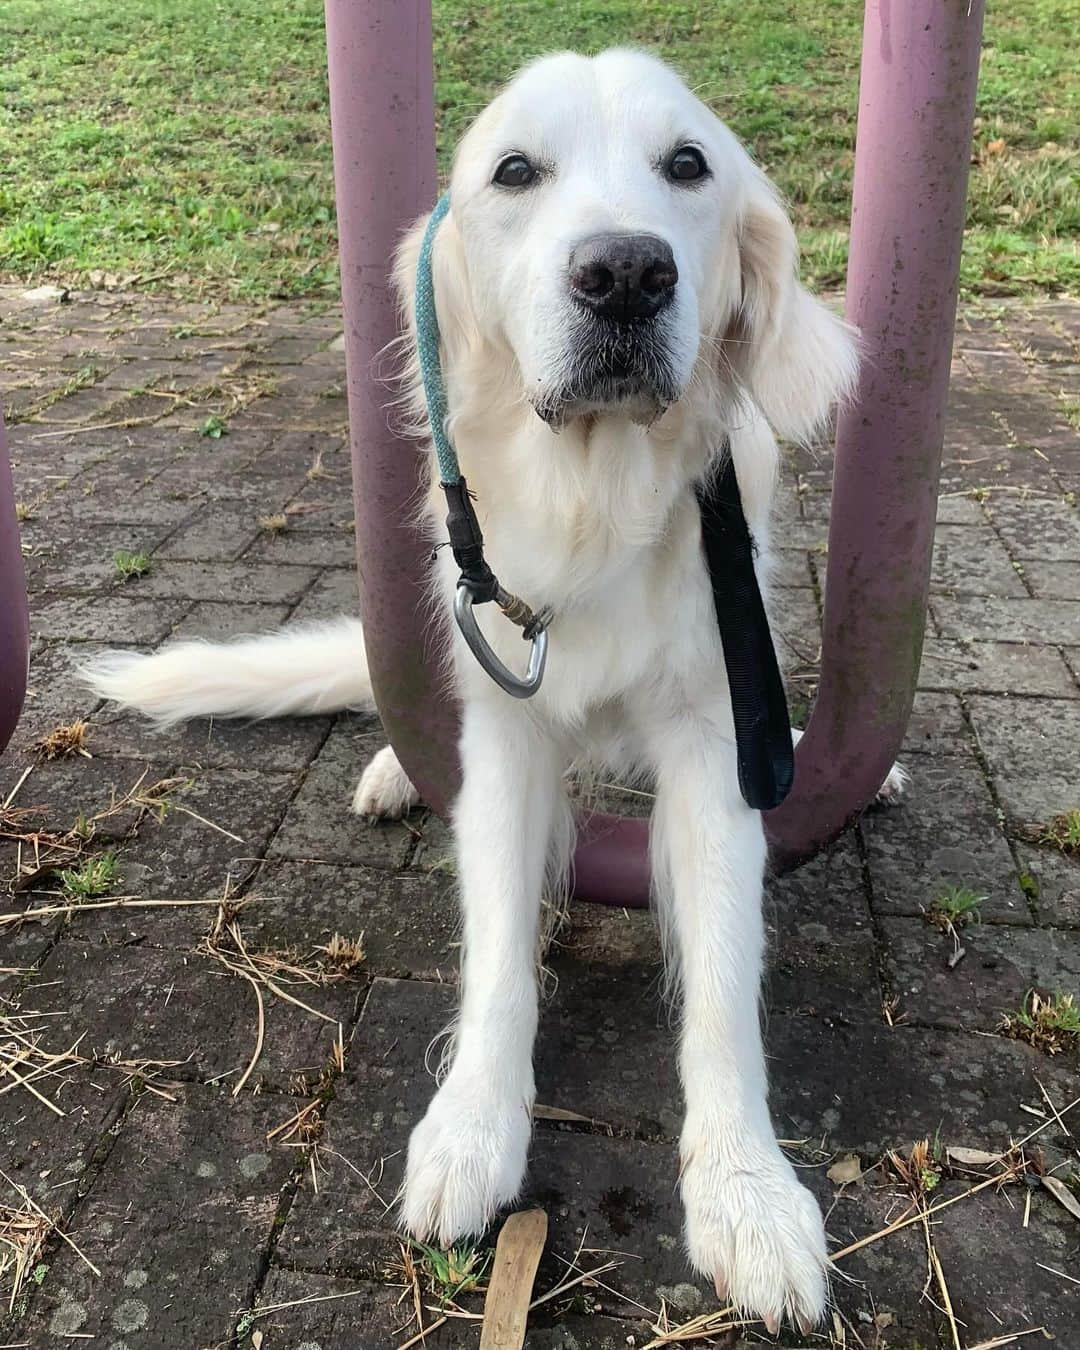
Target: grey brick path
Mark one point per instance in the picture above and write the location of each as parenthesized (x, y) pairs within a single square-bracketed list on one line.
[(194, 1211)]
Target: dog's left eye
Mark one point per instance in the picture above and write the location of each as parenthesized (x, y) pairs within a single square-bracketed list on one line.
[(686, 165), (514, 171)]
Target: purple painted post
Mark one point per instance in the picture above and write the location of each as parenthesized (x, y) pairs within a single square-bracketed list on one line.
[(14, 619), (920, 65), (383, 122), (916, 102)]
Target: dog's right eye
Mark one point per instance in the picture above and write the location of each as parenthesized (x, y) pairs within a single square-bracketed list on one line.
[(514, 171)]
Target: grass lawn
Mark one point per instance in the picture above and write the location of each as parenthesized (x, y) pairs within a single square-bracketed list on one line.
[(186, 145)]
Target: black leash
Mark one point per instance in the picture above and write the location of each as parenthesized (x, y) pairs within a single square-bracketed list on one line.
[(758, 703)]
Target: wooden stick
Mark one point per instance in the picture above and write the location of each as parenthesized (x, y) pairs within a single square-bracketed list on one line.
[(517, 1256)]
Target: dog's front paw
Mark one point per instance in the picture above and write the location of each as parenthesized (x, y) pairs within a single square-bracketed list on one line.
[(466, 1161), (384, 791), (755, 1231)]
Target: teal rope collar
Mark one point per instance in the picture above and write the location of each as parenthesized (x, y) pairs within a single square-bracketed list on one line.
[(477, 583), (427, 347)]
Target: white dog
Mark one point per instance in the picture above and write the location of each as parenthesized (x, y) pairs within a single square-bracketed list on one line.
[(617, 293)]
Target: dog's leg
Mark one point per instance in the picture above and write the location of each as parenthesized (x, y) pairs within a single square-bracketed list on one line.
[(467, 1156), (751, 1227)]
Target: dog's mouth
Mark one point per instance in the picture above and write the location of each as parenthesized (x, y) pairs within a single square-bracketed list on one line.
[(613, 368)]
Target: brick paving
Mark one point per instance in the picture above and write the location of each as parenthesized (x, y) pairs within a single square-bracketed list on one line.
[(193, 1210)]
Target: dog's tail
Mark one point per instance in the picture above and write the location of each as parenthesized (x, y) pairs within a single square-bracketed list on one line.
[(298, 671)]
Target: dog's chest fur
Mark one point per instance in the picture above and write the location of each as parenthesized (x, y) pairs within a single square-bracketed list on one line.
[(604, 528)]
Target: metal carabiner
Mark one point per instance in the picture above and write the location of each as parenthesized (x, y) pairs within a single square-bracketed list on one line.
[(478, 645)]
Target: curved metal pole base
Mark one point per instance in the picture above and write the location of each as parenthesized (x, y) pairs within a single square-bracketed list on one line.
[(916, 103)]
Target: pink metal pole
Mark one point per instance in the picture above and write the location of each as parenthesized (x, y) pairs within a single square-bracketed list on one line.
[(382, 115), (14, 619), (920, 65), (916, 103)]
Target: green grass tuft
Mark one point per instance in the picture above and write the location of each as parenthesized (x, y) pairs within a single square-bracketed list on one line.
[(456, 1271), (94, 877), (188, 146), (955, 907), (130, 565), (214, 427), (1049, 1022)]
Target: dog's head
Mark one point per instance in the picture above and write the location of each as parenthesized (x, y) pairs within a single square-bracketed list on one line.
[(610, 234)]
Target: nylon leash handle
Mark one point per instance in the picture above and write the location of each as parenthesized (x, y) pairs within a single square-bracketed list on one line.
[(766, 757)]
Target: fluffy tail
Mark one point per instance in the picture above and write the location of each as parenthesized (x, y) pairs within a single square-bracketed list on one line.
[(307, 669)]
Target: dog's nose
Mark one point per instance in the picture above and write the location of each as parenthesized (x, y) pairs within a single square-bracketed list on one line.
[(623, 276)]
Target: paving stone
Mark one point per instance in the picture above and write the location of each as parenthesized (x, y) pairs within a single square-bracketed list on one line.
[(995, 667), (85, 563), (620, 1190), (70, 510), (215, 821), (1057, 884), (1037, 527), (331, 596), (944, 832), (218, 533), (176, 1224), (221, 619), (213, 743), (409, 923), (54, 694), (1033, 748), (1000, 966), (137, 1002), (937, 726), (319, 823), (868, 1088), (959, 509), (972, 562), (820, 941), (791, 568), (119, 618), (995, 1266), (241, 582), (994, 619), (1053, 580), (329, 548)]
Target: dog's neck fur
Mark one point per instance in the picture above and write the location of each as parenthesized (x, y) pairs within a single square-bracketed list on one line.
[(576, 504)]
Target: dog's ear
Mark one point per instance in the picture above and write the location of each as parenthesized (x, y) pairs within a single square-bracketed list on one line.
[(792, 354)]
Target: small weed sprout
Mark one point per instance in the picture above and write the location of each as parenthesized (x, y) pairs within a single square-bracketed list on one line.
[(1063, 832), (1049, 1022), (954, 908), (94, 877), (453, 1272), (130, 565), (214, 427)]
